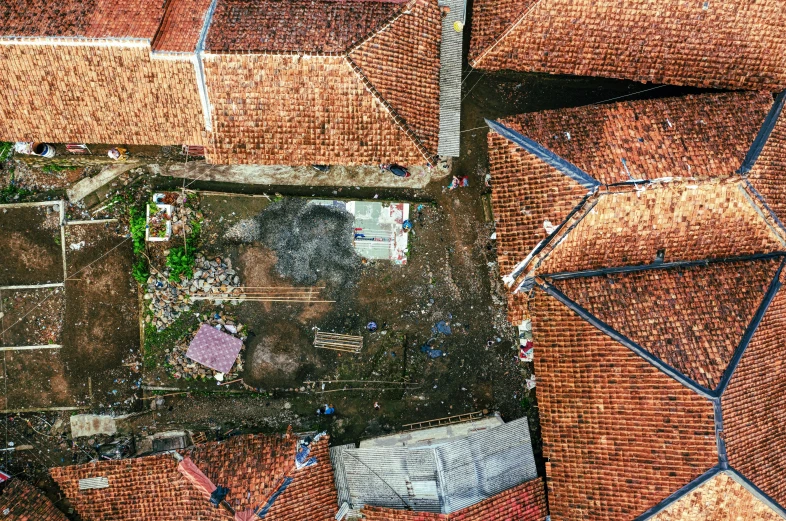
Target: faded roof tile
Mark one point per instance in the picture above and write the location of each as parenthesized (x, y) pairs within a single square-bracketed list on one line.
[(21, 501), (707, 220), (718, 499), (181, 26)]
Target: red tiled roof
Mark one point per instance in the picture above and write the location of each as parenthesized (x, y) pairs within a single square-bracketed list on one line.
[(526, 193), (81, 18), (309, 26), (691, 318), (729, 44), (753, 406), (299, 111), (768, 175), (84, 94), (719, 499), (24, 502), (706, 220), (491, 18), (181, 26), (620, 435), (689, 136), (252, 467), (402, 62), (525, 502)]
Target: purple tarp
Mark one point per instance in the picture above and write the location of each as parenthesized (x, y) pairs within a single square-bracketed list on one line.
[(214, 349)]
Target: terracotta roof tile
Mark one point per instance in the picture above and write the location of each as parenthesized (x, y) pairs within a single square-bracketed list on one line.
[(299, 111), (768, 175), (527, 192), (491, 18), (718, 499), (686, 221), (97, 95), (753, 406), (729, 44), (402, 62), (318, 26), (181, 26), (690, 136), (81, 18), (525, 502), (252, 467), (691, 318), (24, 502), (620, 435)]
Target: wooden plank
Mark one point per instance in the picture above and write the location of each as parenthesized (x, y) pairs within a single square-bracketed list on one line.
[(34, 286), (29, 348)]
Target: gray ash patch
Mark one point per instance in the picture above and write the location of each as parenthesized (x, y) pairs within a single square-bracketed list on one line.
[(313, 243)]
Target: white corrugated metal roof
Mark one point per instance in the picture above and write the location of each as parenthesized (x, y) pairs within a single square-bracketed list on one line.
[(444, 478)]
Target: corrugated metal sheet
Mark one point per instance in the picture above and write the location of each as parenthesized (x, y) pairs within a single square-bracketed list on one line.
[(450, 58), (93, 483), (445, 478), (484, 464)]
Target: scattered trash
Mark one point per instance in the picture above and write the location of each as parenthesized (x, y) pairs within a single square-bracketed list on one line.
[(407, 225), (76, 246), (442, 327), (396, 170), (118, 154), (376, 406), (326, 409), (371, 326)]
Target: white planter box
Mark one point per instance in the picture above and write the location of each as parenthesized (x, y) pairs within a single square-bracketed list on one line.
[(167, 208)]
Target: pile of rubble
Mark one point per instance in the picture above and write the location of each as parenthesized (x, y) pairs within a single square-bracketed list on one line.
[(180, 366), (167, 300)]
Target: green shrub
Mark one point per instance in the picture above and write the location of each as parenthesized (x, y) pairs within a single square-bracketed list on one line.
[(137, 225), (180, 262), (6, 149), (141, 271)]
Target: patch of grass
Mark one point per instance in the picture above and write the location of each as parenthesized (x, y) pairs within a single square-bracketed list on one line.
[(157, 342), (6, 149), (137, 227), (12, 193), (51, 168), (141, 271)]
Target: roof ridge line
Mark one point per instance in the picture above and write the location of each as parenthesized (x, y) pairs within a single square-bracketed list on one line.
[(755, 491), (406, 9), (749, 186), (627, 342), (519, 268), (398, 120), (544, 154), (763, 135), (679, 494), (505, 33), (772, 290), (564, 275)]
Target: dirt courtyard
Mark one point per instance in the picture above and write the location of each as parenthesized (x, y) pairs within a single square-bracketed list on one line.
[(65, 340)]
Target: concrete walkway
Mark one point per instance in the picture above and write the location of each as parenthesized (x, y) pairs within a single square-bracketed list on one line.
[(303, 175)]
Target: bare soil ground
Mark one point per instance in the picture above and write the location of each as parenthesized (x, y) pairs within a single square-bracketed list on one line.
[(39, 378), (30, 242), (31, 316), (102, 329)]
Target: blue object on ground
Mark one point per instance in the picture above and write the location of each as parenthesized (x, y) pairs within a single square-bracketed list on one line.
[(434, 353), (443, 327), (407, 225), (372, 326)]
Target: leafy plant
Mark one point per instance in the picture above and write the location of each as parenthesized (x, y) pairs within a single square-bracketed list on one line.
[(141, 271), (180, 262), (13, 193), (137, 225), (50, 168), (6, 149)]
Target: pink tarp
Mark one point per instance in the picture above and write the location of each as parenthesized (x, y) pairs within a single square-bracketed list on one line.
[(192, 473), (214, 349)]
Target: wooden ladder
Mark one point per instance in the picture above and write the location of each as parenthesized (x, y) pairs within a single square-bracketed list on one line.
[(448, 420)]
